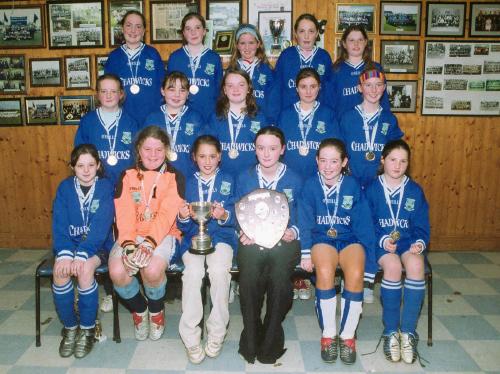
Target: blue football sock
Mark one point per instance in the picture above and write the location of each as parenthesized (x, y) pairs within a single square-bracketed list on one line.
[(326, 308), (64, 300), (390, 293), (88, 301), (412, 303)]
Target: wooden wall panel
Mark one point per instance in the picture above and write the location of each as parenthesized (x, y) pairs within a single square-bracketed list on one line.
[(456, 159)]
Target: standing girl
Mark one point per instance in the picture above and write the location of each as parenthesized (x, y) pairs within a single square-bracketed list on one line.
[(401, 216), (147, 202), (336, 231), (250, 56), (209, 184), (267, 272), (304, 55), (139, 66), (181, 122), (81, 228), (236, 121), (201, 65)]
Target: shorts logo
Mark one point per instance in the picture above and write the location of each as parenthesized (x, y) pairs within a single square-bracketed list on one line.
[(150, 64), (136, 196), (225, 188), (321, 69), (127, 137), (347, 202), (385, 128), (189, 128), (289, 194), (321, 128), (210, 69), (410, 204), (262, 79), (94, 206), (254, 126)]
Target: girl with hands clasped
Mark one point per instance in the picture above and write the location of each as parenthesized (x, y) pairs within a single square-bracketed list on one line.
[(147, 202), (81, 225), (401, 216), (209, 184), (336, 230)]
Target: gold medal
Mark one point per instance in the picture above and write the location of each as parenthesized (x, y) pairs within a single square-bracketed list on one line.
[(134, 89), (233, 153), (112, 160), (194, 89), (84, 237), (303, 150), (395, 235), (332, 233), (370, 156), (172, 156)]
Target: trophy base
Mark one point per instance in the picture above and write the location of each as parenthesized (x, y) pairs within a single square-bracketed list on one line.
[(275, 49), (201, 251), (201, 245)]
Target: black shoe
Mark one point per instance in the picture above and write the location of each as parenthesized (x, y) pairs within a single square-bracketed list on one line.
[(329, 349), (67, 346), (84, 342), (348, 351)]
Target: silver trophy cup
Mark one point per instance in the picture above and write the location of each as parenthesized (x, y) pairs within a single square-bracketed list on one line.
[(276, 26), (201, 244)]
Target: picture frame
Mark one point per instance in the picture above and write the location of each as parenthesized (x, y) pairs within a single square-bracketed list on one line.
[(399, 56), (445, 19), (348, 14), (275, 45), (224, 42), (400, 18), (116, 11), (254, 7), (76, 23), (402, 95), (41, 110), (46, 72), (23, 27), (11, 112), (370, 45), (165, 19), (224, 14), (77, 72), (484, 20), (73, 108), (100, 61), (12, 74), (461, 78)]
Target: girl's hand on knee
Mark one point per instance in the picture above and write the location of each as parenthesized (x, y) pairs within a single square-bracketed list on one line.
[(63, 268), (306, 264), (416, 248), (389, 245), (77, 267)]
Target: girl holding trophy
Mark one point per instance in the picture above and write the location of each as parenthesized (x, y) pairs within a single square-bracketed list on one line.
[(209, 189)]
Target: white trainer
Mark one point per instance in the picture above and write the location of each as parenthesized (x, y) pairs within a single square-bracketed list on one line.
[(141, 325), (195, 354), (107, 304), (409, 347), (213, 349), (156, 325), (368, 295)]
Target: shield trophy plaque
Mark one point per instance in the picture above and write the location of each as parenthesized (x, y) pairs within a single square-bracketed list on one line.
[(263, 216), (201, 244)]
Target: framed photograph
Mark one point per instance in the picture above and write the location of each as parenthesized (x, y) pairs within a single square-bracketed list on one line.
[(254, 7), (12, 74), (337, 48), (45, 72), (400, 18), (75, 23), (224, 42), (402, 96), (399, 56), (73, 108), (445, 19), (484, 19), (461, 78), (11, 112), (117, 9), (209, 36), (22, 27), (77, 72), (166, 17), (276, 31), (100, 61), (224, 14), (357, 14), (40, 110)]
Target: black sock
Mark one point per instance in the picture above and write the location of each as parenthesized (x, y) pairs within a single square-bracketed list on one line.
[(156, 306), (136, 304)]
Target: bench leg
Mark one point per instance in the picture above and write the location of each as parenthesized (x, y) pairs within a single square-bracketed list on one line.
[(429, 309), (37, 310), (116, 318)]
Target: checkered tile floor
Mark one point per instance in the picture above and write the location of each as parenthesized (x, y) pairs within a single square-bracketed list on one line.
[(466, 329)]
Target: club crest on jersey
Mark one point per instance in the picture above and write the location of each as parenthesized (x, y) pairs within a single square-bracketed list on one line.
[(262, 79), (225, 188), (385, 128), (289, 193), (94, 206), (321, 69), (347, 202), (189, 128), (127, 137), (410, 204), (210, 69), (321, 128), (150, 64), (136, 196), (254, 126)]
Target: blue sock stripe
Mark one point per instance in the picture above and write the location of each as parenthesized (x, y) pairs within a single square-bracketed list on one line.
[(390, 285), (354, 296), (415, 284), (347, 305), (325, 294), (319, 313), (369, 277), (88, 290), (61, 290)]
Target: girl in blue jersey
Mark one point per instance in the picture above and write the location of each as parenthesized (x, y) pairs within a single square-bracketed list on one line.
[(208, 184), (82, 216), (401, 217), (306, 123), (181, 122), (304, 55), (110, 128), (236, 121), (250, 56), (355, 56), (336, 230), (201, 65), (267, 271), (139, 66)]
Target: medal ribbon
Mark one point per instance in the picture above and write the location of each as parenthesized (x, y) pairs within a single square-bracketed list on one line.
[(132, 54), (153, 187), (387, 194), (194, 61), (248, 67), (304, 129), (234, 135), (327, 191), (108, 128), (270, 185), (306, 62), (85, 201), (369, 138), (210, 183), (176, 121)]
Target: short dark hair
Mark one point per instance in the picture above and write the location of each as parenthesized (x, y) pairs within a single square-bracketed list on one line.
[(86, 149)]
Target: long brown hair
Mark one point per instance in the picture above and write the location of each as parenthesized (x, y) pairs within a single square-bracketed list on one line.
[(367, 53), (222, 106), (260, 53)]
